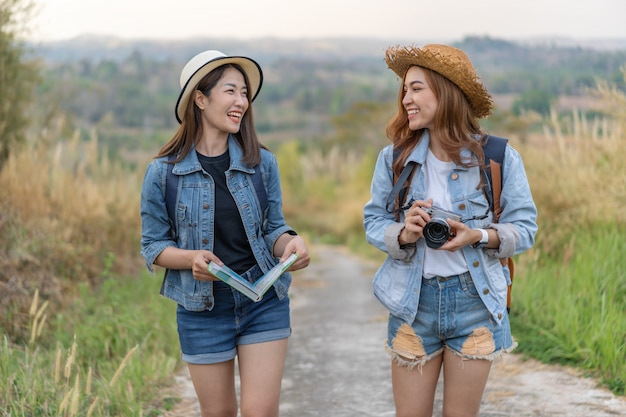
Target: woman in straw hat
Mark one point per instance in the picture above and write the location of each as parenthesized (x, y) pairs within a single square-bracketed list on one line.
[(218, 217), (446, 289)]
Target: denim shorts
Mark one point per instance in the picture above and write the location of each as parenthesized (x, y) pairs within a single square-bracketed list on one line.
[(212, 336), (450, 315)]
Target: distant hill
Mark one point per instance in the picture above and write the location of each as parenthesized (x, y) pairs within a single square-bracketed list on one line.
[(111, 48), (561, 65), (263, 49), (607, 44)]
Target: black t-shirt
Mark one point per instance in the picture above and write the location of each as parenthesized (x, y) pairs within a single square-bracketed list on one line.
[(231, 244)]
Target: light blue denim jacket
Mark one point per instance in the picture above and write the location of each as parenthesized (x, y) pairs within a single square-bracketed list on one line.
[(397, 283), (195, 219)]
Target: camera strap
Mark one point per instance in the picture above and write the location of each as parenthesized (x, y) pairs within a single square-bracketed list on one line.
[(493, 149), (400, 187)]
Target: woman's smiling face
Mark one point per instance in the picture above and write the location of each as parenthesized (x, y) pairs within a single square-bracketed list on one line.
[(419, 100), (223, 108)]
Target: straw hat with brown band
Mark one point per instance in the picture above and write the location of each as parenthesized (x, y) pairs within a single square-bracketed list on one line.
[(448, 61)]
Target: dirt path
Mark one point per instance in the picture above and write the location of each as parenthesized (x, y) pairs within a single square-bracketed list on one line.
[(336, 365)]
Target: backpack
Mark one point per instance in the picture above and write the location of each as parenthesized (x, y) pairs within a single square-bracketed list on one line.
[(494, 151), (171, 193)]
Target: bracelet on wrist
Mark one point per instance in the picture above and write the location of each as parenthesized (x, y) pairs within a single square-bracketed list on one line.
[(484, 240)]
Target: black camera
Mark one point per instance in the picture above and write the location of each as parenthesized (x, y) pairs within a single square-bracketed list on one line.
[(437, 230)]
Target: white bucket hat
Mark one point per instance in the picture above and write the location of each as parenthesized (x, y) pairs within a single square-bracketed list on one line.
[(205, 62)]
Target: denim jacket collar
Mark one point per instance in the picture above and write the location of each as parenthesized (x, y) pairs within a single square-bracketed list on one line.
[(236, 153), (190, 162)]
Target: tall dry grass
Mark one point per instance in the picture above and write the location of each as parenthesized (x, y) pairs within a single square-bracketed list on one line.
[(69, 215), (577, 172), (324, 192)]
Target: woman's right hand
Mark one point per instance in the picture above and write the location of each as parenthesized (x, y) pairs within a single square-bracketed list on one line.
[(415, 218), (199, 265), (196, 260)]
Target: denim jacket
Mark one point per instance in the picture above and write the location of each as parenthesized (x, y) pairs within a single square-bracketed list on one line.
[(397, 282), (195, 219)]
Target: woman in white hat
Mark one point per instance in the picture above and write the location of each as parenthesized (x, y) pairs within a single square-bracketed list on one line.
[(442, 281), (200, 203)]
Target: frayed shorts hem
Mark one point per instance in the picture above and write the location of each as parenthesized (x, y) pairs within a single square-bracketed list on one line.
[(491, 357), (411, 363), (420, 361)]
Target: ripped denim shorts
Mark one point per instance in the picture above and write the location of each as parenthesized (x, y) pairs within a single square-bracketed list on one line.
[(450, 315)]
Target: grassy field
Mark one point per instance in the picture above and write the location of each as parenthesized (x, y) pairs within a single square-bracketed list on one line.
[(109, 353), (572, 312), (85, 332)]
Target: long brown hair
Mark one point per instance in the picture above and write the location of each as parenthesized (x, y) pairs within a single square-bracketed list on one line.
[(454, 123), (190, 130)]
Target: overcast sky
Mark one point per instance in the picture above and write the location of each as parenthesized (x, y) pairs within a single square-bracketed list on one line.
[(389, 19)]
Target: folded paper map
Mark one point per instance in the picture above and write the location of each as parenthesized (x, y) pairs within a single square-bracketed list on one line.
[(256, 290)]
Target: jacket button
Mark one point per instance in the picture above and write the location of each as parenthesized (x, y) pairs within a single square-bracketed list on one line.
[(486, 291), (455, 176), (208, 304), (476, 263), (462, 206), (205, 241), (205, 206), (500, 316)]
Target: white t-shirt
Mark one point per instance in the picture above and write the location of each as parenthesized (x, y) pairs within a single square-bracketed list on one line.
[(440, 262)]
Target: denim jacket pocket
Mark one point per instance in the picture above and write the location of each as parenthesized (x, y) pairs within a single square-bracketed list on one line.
[(499, 275), (182, 223), (394, 285), (190, 213), (478, 206)]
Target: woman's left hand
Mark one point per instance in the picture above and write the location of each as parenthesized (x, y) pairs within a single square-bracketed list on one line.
[(296, 245), (462, 235)]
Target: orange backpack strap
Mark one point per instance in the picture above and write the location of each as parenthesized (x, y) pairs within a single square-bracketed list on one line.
[(496, 185), (511, 265)]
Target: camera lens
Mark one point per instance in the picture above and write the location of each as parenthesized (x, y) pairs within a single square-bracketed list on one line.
[(436, 233)]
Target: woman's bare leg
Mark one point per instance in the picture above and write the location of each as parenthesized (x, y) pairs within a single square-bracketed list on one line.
[(261, 370), (414, 390), (464, 384), (215, 388)]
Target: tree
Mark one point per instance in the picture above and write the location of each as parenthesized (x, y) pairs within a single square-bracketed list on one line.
[(19, 76), (536, 100)]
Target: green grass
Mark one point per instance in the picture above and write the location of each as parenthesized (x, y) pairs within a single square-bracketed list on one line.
[(110, 354), (572, 312)]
